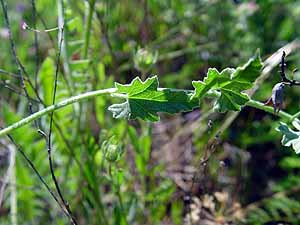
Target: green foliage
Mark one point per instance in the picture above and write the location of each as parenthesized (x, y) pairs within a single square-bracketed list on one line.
[(290, 163), (47, 79), (30, 202), (290, 137), (278, 208), (144, 100), (230, 83), (153, 163)]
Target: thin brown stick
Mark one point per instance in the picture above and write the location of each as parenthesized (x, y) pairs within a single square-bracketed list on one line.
[(66, 205), (14, 53)]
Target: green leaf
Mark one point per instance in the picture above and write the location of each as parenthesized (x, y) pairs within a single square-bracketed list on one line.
[(231, 100), (290, 137), (213, 79), (249, 71), (230, 83), (46, 75), (291, 162), (144, 100)]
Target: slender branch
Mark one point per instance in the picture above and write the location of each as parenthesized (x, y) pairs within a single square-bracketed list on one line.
[(55, 82), (91, 6), (295, 116), (30, 83), (14, 53), (40, 100), (282, 68), (87, 95), (20, 68), (37, 173), (46, 28), (5, 85), (36, 31), (64, 52), (269, 109), (36, 44), (19, 65), (117, 186), (261, 106), (66, 205), (284, 79), (10, 74), (54, 107)]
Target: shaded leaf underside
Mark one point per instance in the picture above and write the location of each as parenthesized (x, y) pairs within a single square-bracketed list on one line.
[(289, 137)]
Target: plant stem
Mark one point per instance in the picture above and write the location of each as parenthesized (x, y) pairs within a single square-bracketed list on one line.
[(91, 6), (259, 105), (36, 44), (269, 109), (64, 48), (37, 173), (87, 95), (48, 140), (117, 191), (13, 188), (295, 116), (54, 107)]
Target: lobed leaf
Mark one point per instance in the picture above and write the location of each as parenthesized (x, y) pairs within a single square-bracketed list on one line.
[(230, 83), (144, 100), (290, 137)]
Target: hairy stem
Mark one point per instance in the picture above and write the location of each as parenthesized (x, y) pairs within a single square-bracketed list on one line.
[(87, 95), (54, 107), (269, 109), (295, 116)]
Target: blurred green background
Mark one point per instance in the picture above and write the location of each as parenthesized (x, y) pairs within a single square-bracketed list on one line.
[(133, 172)]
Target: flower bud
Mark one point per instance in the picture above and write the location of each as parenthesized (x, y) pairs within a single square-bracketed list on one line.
[(144, 59), (112, 151), (277, 96)]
